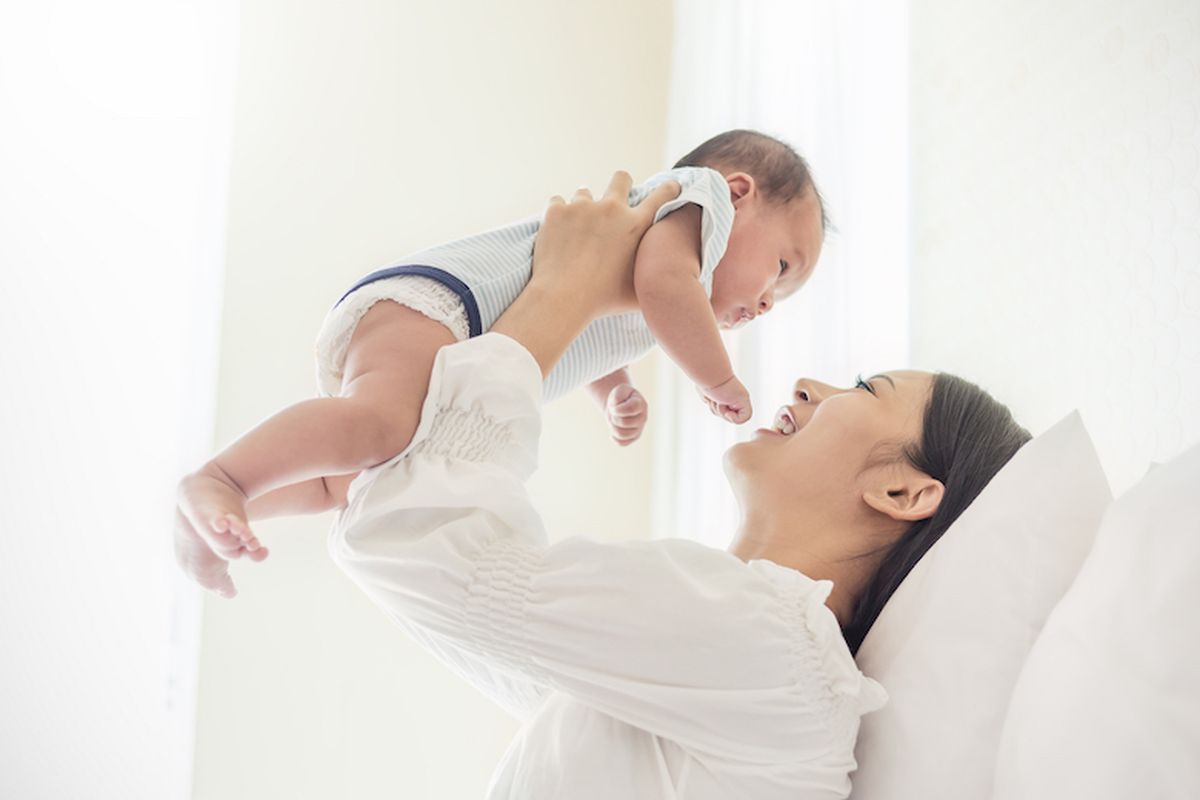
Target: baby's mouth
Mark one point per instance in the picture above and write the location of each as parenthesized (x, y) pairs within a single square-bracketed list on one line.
[(741, 319)]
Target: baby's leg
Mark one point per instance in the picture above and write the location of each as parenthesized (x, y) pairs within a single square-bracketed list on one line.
[(386, 377), (306, 497)]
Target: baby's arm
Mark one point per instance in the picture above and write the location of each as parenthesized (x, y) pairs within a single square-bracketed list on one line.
[(624, 406), (666, 276)]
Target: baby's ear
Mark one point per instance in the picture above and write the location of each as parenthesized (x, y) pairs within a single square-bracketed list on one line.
[(741, 186)]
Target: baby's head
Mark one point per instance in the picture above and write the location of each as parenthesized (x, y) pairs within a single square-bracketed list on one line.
[(779, 223)]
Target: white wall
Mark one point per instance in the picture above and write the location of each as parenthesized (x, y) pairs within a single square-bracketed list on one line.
[(114, 125), (1057, 213), (365, 130)]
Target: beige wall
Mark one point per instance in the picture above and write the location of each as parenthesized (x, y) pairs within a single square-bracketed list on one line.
[(364, 130), (1056, 206)]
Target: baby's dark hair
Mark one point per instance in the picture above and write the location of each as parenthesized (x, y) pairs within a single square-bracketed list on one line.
[(781, 172)]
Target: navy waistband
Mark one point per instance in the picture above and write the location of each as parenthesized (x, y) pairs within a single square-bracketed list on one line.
[(474, 323)]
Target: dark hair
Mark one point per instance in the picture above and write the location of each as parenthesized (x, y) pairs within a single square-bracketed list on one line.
[(966, 437), (780, 171)]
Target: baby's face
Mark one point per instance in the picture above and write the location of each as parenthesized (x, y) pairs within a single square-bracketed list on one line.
[(771, 253)]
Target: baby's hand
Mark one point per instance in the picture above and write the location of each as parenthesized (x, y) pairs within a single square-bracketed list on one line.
[(728, 400), (625, 410)]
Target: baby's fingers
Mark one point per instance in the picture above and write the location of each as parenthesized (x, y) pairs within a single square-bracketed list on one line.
[(736, 414), (626, 435), (633, 407)]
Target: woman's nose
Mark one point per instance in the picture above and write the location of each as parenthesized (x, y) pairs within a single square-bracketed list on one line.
[(809, 391)]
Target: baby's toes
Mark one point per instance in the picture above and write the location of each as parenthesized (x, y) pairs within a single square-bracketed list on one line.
[(234, 525), (225, 544), (244, 534), (258, 554)]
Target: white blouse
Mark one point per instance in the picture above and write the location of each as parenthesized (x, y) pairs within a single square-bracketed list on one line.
[(646, 669)]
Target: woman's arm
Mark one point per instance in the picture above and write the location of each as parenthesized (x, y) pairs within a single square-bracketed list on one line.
[(678, 639)]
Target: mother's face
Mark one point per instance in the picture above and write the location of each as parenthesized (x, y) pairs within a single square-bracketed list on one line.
[(831, 446)]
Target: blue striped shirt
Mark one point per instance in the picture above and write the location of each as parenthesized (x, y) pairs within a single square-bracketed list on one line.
[(488, 270)]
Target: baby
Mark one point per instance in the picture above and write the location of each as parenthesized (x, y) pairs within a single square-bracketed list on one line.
[(744, 233)]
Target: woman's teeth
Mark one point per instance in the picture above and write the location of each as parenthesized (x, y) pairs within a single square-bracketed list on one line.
[(784, 423)]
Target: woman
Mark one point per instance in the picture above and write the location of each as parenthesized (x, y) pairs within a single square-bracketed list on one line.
[(661, 669)]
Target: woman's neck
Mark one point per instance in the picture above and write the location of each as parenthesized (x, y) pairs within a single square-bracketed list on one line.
[(810, 546)]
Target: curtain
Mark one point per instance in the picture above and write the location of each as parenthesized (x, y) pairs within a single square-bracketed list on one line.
[(830, 78)]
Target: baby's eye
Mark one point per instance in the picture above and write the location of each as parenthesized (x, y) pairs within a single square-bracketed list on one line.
[(783, 266)]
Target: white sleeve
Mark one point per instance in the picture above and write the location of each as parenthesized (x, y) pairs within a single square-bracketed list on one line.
[(679, 639)]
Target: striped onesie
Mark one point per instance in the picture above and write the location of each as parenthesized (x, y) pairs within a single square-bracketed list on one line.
[(467, 284)]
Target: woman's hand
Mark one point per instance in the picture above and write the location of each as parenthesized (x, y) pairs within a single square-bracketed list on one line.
[(582, 261), (586, 247)]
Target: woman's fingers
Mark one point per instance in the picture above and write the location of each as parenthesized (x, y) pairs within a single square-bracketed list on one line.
[(661, 194), (620, 185)]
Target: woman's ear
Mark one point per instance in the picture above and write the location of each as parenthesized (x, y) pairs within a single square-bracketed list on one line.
[(741, 187), (908, 496)]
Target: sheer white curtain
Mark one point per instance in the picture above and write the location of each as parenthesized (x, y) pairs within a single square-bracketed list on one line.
[(829, 77), (115, 122)]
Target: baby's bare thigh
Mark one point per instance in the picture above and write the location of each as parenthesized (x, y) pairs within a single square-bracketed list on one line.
[(391, 355)]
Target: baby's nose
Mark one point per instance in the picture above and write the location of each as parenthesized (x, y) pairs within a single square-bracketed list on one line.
[(766, 303)]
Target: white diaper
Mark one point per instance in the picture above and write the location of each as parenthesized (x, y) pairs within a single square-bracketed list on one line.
[(426, 295)]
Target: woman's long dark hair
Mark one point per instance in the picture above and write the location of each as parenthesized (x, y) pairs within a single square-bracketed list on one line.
[(966, 438)]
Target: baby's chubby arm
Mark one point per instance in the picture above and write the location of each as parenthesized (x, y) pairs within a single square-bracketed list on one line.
[(666, 277)]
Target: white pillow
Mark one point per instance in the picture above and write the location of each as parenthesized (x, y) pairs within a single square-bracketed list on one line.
[(1108, 705), (949, 644)]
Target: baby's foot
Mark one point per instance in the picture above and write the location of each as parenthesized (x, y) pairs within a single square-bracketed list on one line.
[(198, 561), (216, 510)]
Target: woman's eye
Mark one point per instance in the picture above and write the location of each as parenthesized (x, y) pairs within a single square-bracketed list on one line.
[(861, 384)]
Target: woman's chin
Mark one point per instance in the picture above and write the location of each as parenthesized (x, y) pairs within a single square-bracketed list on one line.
[(737, 460)]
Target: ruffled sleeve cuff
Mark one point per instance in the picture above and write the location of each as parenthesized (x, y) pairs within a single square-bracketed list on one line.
[(483, 405), (824, 650)]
